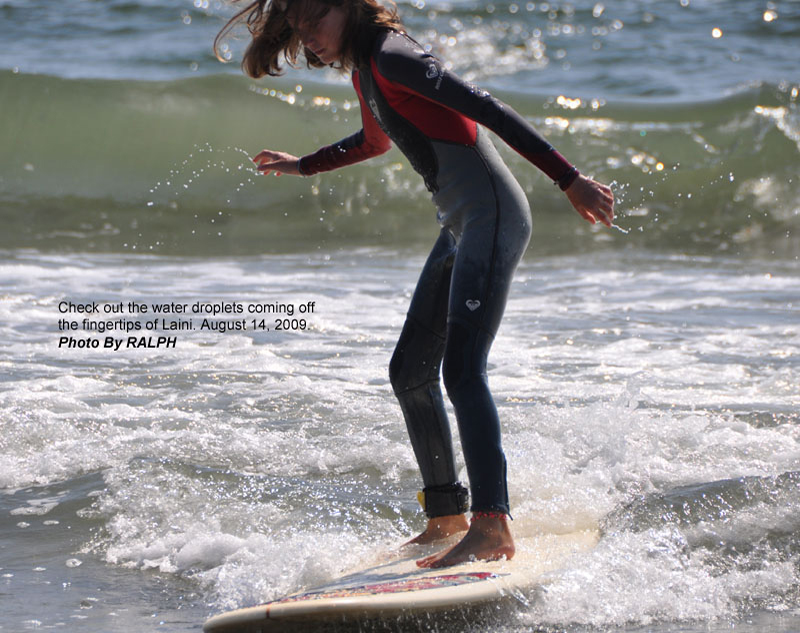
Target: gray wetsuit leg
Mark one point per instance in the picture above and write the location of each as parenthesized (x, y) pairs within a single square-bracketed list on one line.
[(454, 315)]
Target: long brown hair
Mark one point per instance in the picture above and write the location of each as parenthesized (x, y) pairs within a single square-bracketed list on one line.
[(273, 36)]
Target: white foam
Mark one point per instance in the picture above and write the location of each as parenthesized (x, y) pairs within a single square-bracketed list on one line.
[(255, 465)]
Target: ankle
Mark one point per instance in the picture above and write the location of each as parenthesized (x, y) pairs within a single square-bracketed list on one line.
[(480, 515), (449, 523)]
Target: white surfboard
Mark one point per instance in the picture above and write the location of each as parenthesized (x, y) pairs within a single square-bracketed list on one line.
[(399, 587)]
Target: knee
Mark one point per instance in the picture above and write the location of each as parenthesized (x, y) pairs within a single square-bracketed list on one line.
[(398, 371), (416, 359), (452, 376), (463, 363)]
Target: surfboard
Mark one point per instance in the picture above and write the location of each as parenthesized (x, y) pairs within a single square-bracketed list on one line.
[(398, 587)]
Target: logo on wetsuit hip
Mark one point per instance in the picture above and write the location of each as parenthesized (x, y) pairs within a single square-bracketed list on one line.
[(473, 304)]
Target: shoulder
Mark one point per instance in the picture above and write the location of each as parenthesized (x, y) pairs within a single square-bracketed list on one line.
[(396, 55)]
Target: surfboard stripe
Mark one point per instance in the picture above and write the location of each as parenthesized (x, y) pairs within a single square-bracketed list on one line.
[(395, 586)]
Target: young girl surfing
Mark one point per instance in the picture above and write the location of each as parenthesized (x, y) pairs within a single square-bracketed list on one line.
[(409, 98)]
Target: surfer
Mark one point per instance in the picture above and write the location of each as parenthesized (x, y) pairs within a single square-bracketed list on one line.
[(408, 97)]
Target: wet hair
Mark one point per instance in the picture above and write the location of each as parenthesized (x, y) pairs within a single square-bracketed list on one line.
[(273, 36)]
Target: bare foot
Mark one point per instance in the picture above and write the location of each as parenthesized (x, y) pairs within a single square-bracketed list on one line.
[(488, 538), (440, 528)]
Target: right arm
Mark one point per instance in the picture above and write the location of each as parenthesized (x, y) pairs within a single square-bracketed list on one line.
[(369, 141)]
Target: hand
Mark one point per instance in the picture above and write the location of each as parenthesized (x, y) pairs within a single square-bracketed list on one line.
[(594, 201), (279, 162)]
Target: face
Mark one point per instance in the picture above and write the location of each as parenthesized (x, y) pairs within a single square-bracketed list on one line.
[(323, 36)]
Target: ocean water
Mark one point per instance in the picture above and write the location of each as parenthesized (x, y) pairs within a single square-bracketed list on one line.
[(196, 412)]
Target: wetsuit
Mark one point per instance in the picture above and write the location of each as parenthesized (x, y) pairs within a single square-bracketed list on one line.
[(407, 97)]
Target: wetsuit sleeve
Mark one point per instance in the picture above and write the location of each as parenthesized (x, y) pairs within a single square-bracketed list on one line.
[(403, 62), (367, 142)]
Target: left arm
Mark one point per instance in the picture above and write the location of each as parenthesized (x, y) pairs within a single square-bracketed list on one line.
[(424, 75)]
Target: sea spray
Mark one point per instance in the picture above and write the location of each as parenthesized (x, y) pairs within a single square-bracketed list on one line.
[(94, 199)]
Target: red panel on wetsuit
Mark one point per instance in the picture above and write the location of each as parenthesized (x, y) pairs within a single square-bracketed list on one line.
[(368, 142), (375, 136), (432, 119)]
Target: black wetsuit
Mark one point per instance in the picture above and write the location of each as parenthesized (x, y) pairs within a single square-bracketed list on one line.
[(408, 97)]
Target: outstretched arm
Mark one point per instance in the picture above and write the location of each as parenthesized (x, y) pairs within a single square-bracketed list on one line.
[(369, 141), (408, 67), (279, 162), (593, 200), (353, 149), (405, 64)]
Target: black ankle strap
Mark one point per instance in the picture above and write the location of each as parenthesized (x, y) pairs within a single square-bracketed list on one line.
[(439, 501)]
